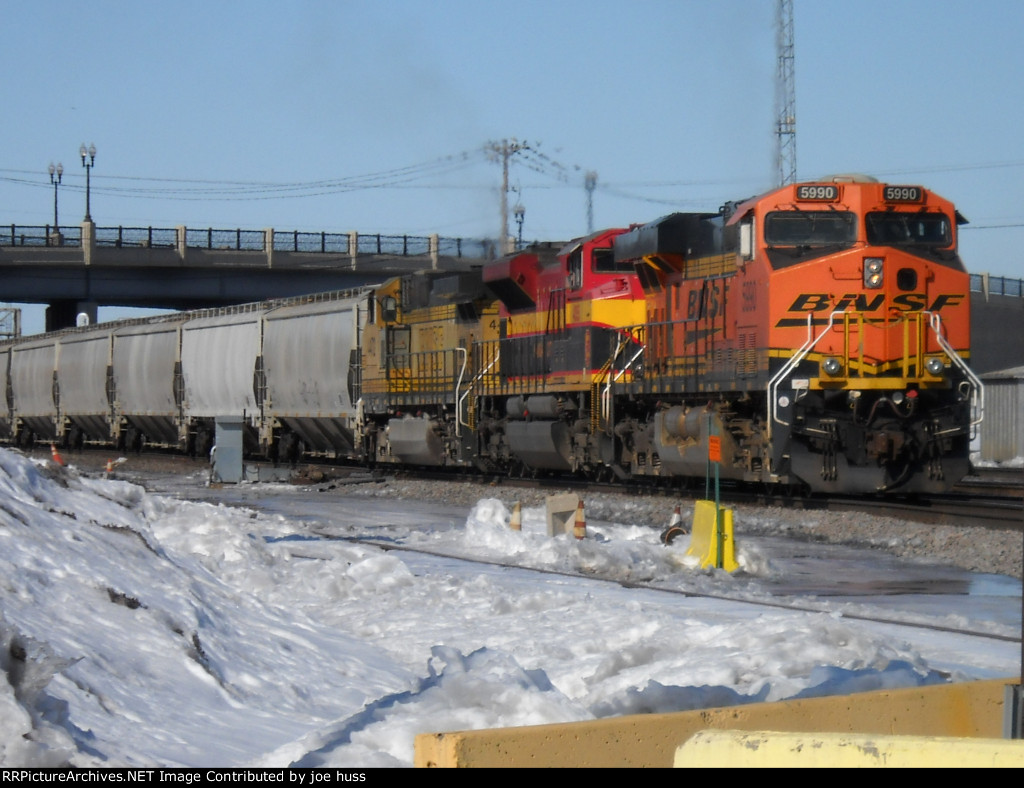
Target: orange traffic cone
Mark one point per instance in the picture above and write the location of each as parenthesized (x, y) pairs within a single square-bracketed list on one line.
[(55, 454), (675, 529), (516, 523), (579, 530), (111, 464)]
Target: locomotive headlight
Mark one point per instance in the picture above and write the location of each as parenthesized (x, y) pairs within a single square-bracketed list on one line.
[(934, 366), (873, 272), (832, 367)]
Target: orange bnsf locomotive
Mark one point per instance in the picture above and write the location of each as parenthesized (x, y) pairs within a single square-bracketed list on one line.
[(819, 332)]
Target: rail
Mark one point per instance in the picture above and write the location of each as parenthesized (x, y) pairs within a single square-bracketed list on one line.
[(428, 372), (912, 336), (237, 239), (974, 388), (601, 389)]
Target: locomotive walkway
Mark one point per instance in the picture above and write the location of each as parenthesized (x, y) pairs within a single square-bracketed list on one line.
[(79, 268)]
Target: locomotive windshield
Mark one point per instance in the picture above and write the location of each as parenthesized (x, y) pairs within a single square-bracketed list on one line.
[(793, 237), (810, 228), (890, 228)]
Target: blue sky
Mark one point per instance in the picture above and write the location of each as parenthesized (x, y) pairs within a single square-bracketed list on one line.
[(374, 115)]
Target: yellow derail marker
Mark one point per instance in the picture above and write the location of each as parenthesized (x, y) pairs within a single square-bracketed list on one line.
[(712, 539)]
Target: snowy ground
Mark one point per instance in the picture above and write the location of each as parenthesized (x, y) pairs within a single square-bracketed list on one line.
[(141, 630)]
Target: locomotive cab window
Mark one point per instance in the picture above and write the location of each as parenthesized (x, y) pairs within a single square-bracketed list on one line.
[(810, 228), (389, 309), (604, 263), (747, 239), (897, 228), (793, 237), (576, 268)]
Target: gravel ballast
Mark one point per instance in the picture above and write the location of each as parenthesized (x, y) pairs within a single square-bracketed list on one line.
[(975, 548)]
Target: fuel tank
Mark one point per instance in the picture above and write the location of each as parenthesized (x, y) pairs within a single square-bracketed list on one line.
[(541, 444), (415, 441)]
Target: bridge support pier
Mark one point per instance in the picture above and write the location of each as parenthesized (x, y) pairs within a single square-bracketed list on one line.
[(67, 313)]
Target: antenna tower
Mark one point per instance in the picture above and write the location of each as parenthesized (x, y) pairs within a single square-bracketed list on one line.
[(785, 94)]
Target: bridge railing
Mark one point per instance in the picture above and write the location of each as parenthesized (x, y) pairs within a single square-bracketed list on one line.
[(238, 240), (249, 240), (137, 237), (325, 243), (997, 285), (41, 235)]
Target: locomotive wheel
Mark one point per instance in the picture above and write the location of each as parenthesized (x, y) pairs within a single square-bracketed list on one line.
[(670, 534)]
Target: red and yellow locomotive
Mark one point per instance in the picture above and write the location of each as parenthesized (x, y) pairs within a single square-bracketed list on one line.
[(561, 349)]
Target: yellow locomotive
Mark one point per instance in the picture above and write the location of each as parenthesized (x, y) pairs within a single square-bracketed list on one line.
[(419, 363)]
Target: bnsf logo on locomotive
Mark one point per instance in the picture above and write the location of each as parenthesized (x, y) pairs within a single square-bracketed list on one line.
[(705, 302), (862, 302)]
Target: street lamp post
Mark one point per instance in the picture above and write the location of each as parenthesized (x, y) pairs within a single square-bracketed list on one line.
[(56, 174), (520, 213), (91, 153)]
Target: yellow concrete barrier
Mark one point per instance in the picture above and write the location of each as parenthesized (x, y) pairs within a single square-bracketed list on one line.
[(704, 540), (971, 710), (778, 749)]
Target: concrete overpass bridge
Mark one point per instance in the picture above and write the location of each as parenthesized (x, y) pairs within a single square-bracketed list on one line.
[(82, 267), (76, 269)]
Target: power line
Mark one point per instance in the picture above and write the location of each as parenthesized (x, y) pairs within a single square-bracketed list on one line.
[(183, 188), (423, 175)]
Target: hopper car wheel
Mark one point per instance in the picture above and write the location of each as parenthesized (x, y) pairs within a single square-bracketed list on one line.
[(518, 470)]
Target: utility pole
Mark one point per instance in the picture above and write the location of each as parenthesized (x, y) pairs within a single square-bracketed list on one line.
[(785, 94), (503, 151), (589, 183)]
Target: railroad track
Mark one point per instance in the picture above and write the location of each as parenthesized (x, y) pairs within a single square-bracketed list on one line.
[(803, 605), (990, 498), (993, 481), (997, 513), (988, 502), (990, 511)]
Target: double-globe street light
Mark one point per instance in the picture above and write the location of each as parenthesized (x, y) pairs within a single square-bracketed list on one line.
[(56, 174), (91, 153)]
